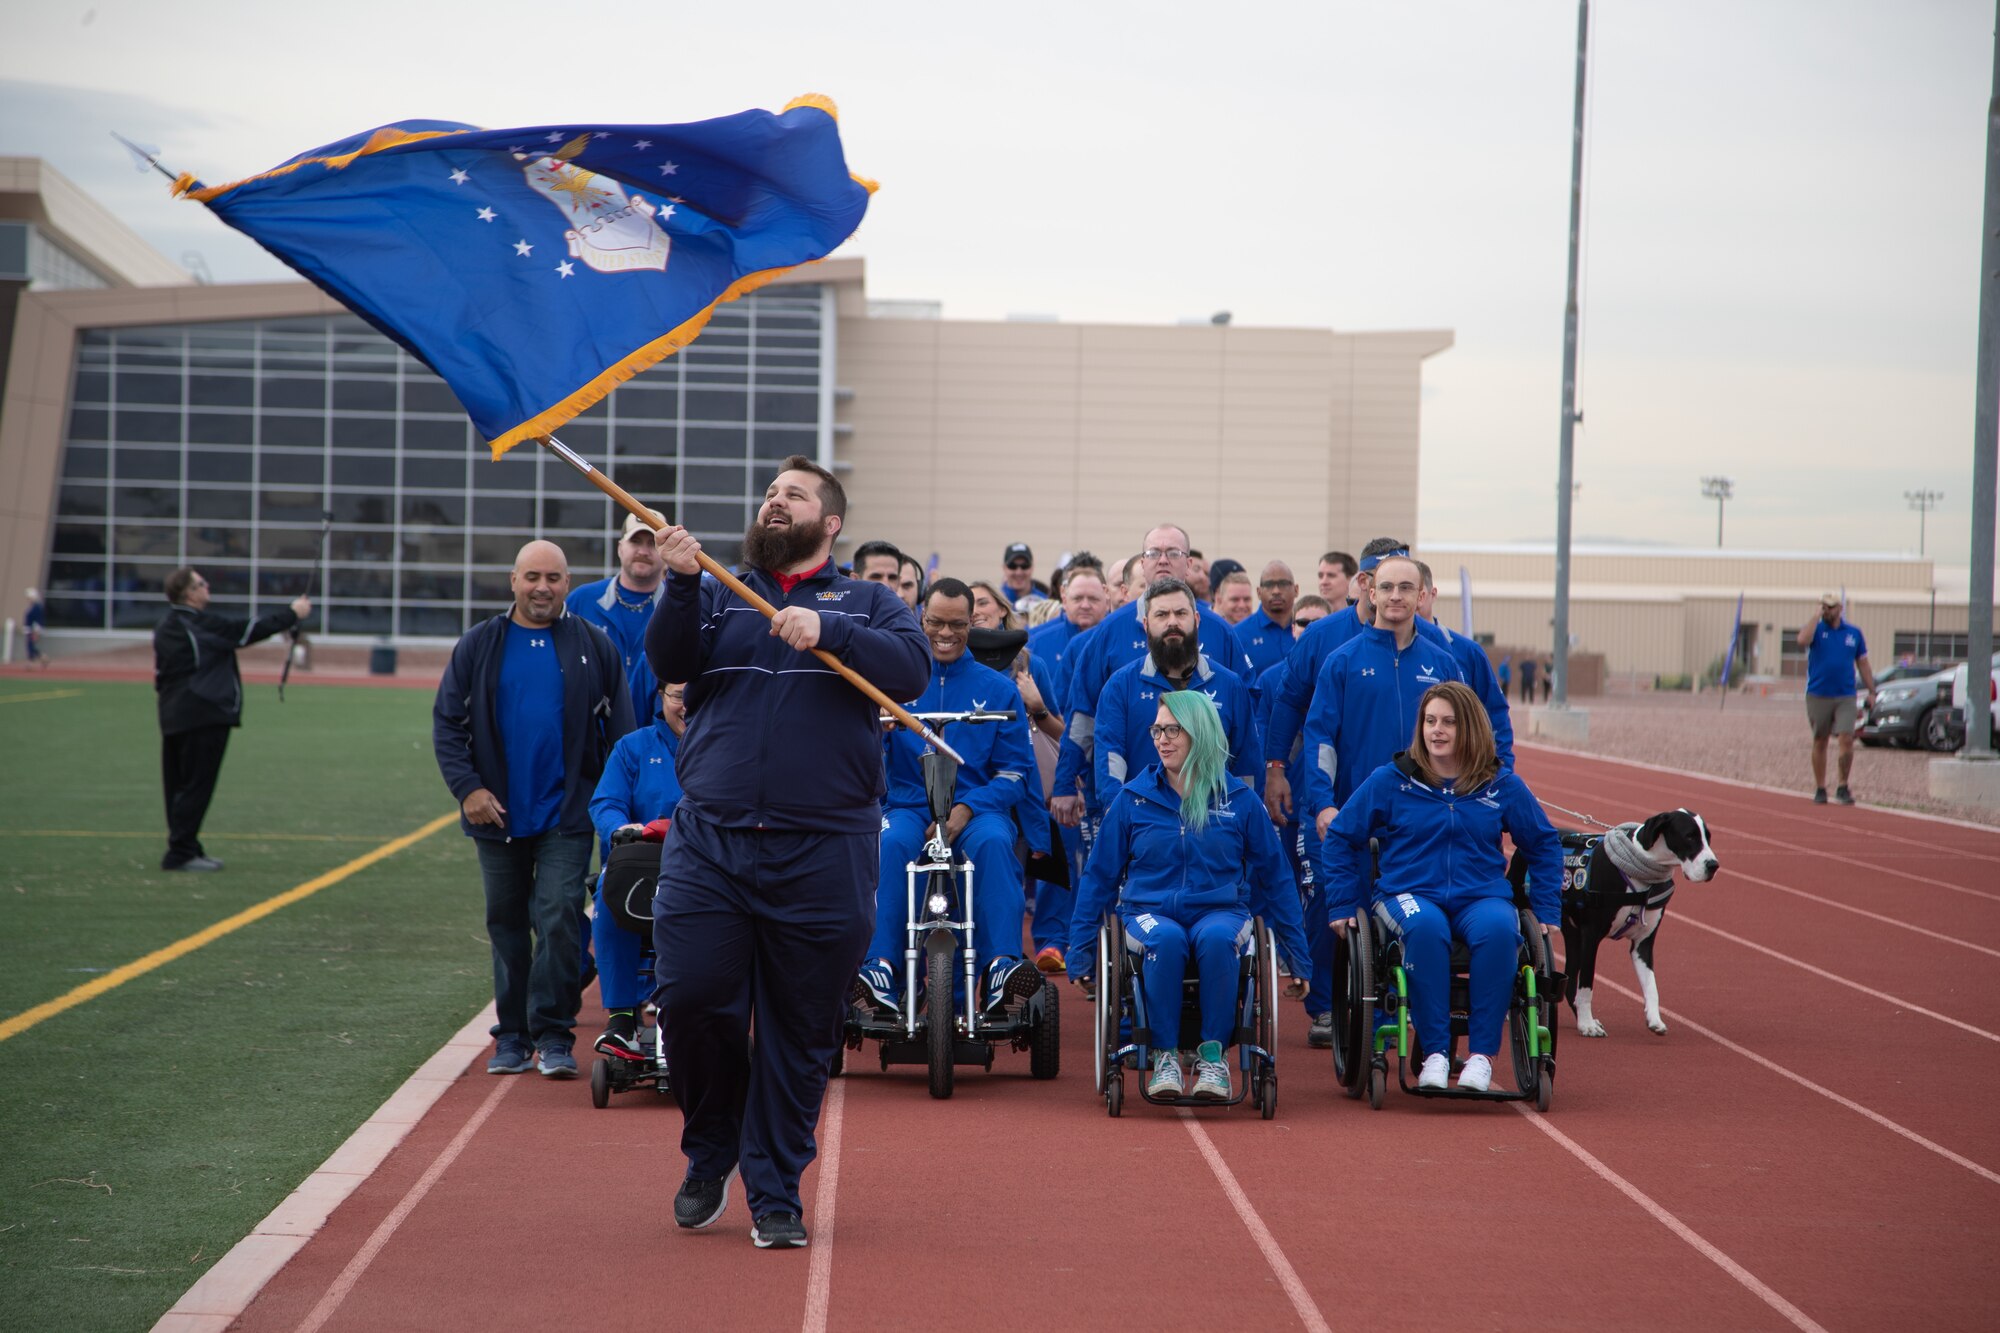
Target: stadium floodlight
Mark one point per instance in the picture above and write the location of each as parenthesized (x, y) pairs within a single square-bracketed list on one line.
[(1720, 490)]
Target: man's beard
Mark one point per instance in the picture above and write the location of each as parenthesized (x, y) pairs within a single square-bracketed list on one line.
[(772, 549), (1174, 653)]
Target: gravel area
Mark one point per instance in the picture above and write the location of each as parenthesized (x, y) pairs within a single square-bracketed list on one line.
[(1761, 740)]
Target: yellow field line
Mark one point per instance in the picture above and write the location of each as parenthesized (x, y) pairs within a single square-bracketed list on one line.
[(161, 834), (97, 986), (39, 694)]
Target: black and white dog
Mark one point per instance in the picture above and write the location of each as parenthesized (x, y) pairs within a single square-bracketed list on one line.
[(1620, 891)]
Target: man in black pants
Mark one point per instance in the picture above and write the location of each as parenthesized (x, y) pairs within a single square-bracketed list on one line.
[(767, 881), (201, 698)]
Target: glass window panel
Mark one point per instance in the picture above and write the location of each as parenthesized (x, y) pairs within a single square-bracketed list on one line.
[(370, 507), (503, 511), (714, 481), (133, 609), (498, 548), (222, 391), (515, 471), (149, 427), (588, 512), (445, 437), (360, 582), (281, 583), (717, 442), (716, 405), (705, 517), (588, 438), (597, 411), (146, 501), (79, 539), (147, 540), (147, 464), (226, 579), (76, 575), (349, 544), (359, 618), (75, 612), (141, 576), (433, 621), (491, 589), (288, 544), (294, 391), (588, 553), (136, 386), (92, 386), (236, 355), (441, 473), (294, 432), (434, 548), (654, 441), (444, 511), (210, 541), (219, 465), (84, 460), (364, 433), (803, 379), (219, 428), (289, 506), (774, 445), (292, 469), (652, 482), (95, 338), (138, 359), (228, 506), (377, 470), (81, 500), (715, 379), (364, 395), (428, 394), (89, 423), (433, 585), (775, 405), (658, 403)]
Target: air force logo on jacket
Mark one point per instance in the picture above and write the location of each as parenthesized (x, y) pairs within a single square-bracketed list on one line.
[(1364, 710)]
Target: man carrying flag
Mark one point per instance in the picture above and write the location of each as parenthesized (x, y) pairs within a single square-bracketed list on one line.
[(767, 880)]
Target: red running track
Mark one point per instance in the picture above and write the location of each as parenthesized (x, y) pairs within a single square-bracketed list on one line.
[(1813, 1144)]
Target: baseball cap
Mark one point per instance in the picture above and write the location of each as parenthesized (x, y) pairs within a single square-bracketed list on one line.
[(1221, 570), (1018, 551), (633, 523), (1829, 599)]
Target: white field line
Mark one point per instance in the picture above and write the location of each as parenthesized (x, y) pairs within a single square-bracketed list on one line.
[(1872, 916), (819, 1286), (1288, 1277)]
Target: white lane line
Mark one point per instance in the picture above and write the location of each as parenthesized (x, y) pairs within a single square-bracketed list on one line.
[(1872, 916), (819, 1286), (1804, 1082), (1797, 1317), (1288, 1277), (344, 1284), (1898, 1001)]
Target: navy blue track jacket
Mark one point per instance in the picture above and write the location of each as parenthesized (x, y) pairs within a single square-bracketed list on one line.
[(465, 719), (775, 738)]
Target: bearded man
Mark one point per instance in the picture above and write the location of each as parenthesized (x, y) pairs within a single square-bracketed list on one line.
[(767, 883)]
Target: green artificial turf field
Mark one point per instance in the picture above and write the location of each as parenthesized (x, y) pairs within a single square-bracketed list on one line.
[(151, 1127)]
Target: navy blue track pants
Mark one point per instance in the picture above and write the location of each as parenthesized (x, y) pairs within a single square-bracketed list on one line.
[(760, 929)]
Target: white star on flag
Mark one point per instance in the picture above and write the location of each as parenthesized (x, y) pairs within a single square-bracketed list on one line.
[(665, 213), (669, 168), (643, 144), (458, 176), (485, 215), (552, 137), (523, 249), (566, 268)]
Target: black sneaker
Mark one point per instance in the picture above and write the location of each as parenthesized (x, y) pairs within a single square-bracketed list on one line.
[(700, 1202), (778, 1231), (1844, 796), (1819, 796), (620, 1038), (1319, 1034)]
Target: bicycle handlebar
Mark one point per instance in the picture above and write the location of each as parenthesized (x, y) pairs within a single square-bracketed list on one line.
[(976, 715)]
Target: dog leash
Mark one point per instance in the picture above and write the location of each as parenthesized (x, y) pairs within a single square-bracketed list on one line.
[(1573, 814)]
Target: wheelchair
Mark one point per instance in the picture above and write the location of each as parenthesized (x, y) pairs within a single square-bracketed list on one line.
[(1371, 1012), (941, 1021), (1124, 1031), (628, 881)]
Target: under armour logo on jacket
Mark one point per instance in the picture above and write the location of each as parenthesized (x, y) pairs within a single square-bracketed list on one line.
[(538, 643), (1367, 671)]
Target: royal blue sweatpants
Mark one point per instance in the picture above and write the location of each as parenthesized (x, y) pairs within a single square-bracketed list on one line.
[(764, 929), (1492, 934), (619, 982), (998, 903), (1213, 939)]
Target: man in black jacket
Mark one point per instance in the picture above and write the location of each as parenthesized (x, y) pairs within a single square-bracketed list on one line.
[(767, 882), (201, 700), (529, 707)]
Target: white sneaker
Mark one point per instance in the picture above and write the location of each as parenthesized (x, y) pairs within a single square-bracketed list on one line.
[(1436, 1072), (1477, 1076), (1166, 1080)]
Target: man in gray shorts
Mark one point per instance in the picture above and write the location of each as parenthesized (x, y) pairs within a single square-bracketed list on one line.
[(1834, 650)]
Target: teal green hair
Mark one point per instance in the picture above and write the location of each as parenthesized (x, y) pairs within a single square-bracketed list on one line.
[(1205, 777)]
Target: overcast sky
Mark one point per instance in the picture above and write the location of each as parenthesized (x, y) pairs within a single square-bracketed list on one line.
[(1782, 197)]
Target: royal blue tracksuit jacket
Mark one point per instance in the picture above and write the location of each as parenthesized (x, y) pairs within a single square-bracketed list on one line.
[(823, 772), (1264, 641), (1233, 863), (1129, 703), (639, 783), (1364, 710), (625, 625), (1478, 673), (999, 761)]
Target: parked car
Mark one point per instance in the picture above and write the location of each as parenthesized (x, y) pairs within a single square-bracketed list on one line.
[(1906, 711), (1952, 697)]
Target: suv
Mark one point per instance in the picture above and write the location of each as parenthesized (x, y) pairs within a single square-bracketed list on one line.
[(1906, 711), (1952, 701)]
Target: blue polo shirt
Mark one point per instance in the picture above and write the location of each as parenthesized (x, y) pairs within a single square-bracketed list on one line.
[(531, 730), (1831, 657)]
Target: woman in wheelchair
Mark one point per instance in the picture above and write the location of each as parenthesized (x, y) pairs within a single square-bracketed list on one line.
[(1196, 855), (1439, 809), (638, 786)]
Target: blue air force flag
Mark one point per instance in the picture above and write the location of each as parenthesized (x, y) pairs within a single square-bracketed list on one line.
[(535, 270)]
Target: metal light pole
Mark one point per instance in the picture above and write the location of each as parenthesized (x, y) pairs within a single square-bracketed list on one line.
[(1720, 490), (1923, 502), (1566, 439)]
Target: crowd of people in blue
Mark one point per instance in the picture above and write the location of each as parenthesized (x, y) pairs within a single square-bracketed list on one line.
[(1191, 748)]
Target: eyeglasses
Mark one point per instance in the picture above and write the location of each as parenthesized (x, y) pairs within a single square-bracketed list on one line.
[(1395, 589), (1164, 553), (1166, 731), (1277, 583), (935, 626)]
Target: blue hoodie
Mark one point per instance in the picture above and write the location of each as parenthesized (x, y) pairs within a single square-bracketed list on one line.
[(775, 738), (999, 768), (639, 784), (1364, 709), (1125, 711), (1234, 862), (1440, 845)]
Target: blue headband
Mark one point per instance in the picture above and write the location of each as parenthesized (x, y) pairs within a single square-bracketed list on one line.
[(1368, 562)]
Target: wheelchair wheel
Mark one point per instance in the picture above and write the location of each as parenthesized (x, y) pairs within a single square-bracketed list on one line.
[(1045, 1045), (600, 1083), (938, 1027), (1267, 989), (1354, 1030), (1103, 1010), (1267, 1096), (1378, 1083), (1532, 1076), (1114, 1094)]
